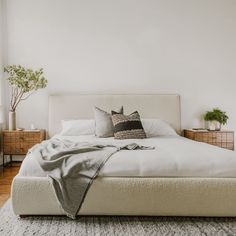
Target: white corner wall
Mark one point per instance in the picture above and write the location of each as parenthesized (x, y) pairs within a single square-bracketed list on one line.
[(1, 55), (127, 46), (1, 74)]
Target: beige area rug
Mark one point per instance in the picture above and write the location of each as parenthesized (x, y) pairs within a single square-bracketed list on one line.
[(12, 225)]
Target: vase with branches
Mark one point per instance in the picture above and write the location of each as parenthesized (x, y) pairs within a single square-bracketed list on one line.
[(23, 82)]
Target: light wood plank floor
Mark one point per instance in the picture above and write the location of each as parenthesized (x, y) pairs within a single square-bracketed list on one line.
[(6, 176)]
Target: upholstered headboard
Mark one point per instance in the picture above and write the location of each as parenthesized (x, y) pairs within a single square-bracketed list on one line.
[(79, 106)]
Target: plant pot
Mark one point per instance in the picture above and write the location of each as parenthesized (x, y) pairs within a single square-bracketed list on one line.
[(12, 120), (214, 125)]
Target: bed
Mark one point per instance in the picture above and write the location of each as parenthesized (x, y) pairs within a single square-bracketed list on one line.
[(180, 177)]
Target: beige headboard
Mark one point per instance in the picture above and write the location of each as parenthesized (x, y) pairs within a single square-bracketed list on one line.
[(79, 106)]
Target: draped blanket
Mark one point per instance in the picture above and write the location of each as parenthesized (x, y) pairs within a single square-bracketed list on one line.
[(72, 167)]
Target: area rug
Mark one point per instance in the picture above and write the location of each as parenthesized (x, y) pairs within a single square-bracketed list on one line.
[(50, 226)]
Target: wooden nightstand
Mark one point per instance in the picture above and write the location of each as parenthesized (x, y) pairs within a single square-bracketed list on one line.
[(223, 139), (19, 142)]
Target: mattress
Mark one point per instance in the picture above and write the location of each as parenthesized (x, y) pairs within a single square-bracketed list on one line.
[(173, 156)]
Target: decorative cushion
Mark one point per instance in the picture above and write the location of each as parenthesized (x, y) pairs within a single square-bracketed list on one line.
[(127, 127), (103, 123)]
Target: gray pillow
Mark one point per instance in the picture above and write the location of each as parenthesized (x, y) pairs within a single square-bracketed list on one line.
[(103, 123)]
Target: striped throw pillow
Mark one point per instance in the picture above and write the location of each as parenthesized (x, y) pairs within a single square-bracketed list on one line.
[(127, 127)]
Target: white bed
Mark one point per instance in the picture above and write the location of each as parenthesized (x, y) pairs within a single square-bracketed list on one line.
[(173, 156), (178, 177)]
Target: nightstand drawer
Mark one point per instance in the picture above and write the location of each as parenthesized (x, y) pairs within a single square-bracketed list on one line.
[(7, 138), (19, 142), (213, 137), (17, 148), (21, 139), (32, 137), (21, 150), (9, 148), (224, 139)]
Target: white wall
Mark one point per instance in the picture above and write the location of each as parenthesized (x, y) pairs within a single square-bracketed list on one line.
[(128, 46), (1, 54), (1, 72)]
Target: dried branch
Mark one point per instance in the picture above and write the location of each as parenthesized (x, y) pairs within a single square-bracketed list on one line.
[(28, 95), (18, 99)]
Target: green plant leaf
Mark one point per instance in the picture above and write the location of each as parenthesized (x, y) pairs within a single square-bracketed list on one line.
[(216, 114), (23, 82)]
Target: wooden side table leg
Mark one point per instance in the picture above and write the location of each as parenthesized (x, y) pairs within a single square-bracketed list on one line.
[(3, 161), (11, 159)]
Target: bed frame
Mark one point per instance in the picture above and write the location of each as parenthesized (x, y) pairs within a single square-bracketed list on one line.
[(127, 196)]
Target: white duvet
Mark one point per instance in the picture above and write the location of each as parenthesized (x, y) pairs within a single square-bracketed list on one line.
[(173, 156)]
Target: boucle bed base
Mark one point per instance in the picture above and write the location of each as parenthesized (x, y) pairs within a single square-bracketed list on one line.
[(133, 196)]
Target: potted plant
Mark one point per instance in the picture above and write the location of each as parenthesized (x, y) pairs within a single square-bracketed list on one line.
[(24, 82), (216, 118)]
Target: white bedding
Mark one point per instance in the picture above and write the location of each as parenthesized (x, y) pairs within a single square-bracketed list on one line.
[(173, 156)]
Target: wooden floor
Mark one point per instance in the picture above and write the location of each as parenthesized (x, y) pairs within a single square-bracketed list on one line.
[(6, 176)]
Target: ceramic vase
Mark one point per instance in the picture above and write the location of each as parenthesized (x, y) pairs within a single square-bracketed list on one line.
[(214, 125), (12, 120)]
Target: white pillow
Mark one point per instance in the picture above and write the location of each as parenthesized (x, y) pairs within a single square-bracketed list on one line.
[(157, 127), (77, 127)]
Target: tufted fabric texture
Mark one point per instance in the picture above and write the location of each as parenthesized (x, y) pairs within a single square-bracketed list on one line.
[(11, 225), (127, 127)]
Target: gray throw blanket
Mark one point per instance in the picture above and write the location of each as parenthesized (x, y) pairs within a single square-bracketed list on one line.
[(72, 168)]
